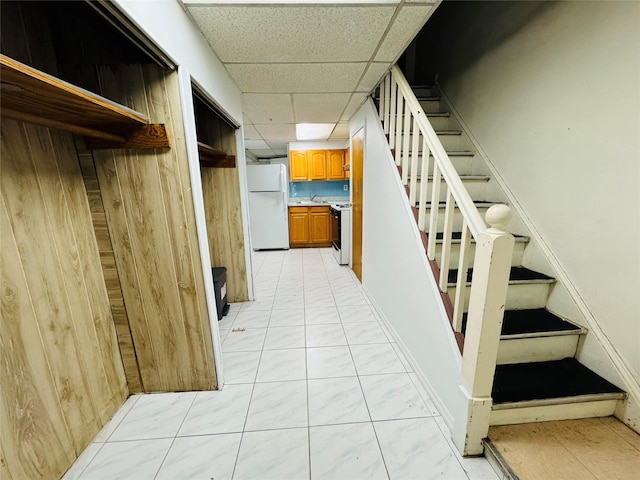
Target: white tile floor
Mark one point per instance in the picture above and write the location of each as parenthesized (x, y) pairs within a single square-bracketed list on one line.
[(315, 388)]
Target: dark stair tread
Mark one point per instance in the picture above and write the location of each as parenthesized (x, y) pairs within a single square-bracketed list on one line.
[(458, 153), (516, 274), (458, 236), (448, 132), (533, 321), (438, 114), (545, 380), (477, 203), (537, 320)]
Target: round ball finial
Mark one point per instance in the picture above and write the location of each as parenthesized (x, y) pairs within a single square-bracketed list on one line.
[(498, 216)]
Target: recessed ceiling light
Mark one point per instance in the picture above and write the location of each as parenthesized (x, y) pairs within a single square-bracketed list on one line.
[(314, 131)]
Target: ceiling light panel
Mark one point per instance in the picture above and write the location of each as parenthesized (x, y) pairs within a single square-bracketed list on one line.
[(319, 107), (292, 33), (296, 78), (267, 108), (314, 131)]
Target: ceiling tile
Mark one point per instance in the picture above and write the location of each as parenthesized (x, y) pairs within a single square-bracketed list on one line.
[(297, 78), (292, 33), (406, 25), (280, 132), (255, 144), (278, 145), (250, 131), (267, 108), (356, 100), (319, 107), (341, 131), (371, 77)]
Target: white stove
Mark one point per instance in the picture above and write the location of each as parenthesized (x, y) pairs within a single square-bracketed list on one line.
[(341, 232)]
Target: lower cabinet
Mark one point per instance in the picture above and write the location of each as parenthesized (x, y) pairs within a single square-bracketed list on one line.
[(309, 227)]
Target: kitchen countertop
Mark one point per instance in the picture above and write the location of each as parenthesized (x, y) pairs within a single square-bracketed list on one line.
[(319, 202)]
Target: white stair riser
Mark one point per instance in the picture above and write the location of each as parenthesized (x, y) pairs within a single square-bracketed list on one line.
[(547, 413), (423, 91), (432, 106), (519, 296), (457, 218), (464, 165), (516, 260), (443, 123), (537, 349), (453, 142), (476, 188)]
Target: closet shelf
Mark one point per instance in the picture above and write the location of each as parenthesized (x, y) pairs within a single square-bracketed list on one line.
[(210, 157), (30, 95)]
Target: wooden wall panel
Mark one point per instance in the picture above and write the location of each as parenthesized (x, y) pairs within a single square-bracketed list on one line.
[(62, 353), (150, 216), (221, 191), (110, 272)]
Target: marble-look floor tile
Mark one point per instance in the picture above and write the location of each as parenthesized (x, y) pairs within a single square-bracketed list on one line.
[(222, 411), (328, 362), (274, 455), (392, 397), (375, 359), (112, 424), (329, 335), (252, 319), (424, 395), (156, 415), (288, 301), (321, 315), (358, 313), (287, 317), (336, 400), (283, 365), (284, 337), (117, 461), (260, 303), (405, 363), (240, 367), (278, 405), (345, 452), (361, 333), (82, 461), (250, 340), (413, 447), (346, 297), (208, 456)]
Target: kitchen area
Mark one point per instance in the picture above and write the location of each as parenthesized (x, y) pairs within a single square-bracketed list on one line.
[(302, 200)]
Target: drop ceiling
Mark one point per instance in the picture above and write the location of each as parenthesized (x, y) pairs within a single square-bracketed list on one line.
[(305, 61)]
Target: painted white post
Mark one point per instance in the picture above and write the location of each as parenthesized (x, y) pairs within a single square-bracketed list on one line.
[(491, 267)]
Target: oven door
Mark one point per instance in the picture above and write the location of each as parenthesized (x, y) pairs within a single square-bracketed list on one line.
[(335, 228)]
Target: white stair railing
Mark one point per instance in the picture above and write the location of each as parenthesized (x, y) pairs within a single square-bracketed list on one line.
[(415, 143)]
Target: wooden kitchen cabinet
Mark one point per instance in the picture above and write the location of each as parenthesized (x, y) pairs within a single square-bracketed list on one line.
[(309, 227), (298, 165), (317, 161), (335, 164), (319, 226)]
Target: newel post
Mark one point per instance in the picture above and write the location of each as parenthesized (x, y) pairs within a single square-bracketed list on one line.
[(491, 267)]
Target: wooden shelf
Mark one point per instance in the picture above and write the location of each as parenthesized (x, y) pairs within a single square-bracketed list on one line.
[(210, 157), (30, 95)]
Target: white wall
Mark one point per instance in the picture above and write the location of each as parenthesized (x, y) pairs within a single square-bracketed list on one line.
[(396, 274), (555, 105)]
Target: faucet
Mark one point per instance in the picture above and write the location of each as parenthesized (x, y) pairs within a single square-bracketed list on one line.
[(314, 196)]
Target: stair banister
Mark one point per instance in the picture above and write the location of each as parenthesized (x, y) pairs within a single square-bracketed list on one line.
[(462, 197), (491, 263)]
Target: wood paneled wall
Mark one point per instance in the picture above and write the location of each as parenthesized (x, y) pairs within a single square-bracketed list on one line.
[(151, 220), (222, 200), (60, 368)]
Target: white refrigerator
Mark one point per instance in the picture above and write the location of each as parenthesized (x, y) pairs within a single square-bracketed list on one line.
[(268, 215)]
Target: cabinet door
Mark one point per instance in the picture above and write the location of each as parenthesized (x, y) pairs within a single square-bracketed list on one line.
[(298, 165), (347, 164), (298, 226), (335, 162), (320, 226), (317, 164)]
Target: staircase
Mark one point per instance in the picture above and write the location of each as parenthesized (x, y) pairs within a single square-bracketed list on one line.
[(537, 377)]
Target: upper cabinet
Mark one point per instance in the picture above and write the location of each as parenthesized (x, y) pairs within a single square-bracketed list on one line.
[(316, 165)]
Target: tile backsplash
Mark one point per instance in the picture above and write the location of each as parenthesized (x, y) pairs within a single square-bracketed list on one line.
[(320, 189)]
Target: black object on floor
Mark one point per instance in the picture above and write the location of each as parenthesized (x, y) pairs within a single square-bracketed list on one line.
[(220, 289), (541, 380)]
